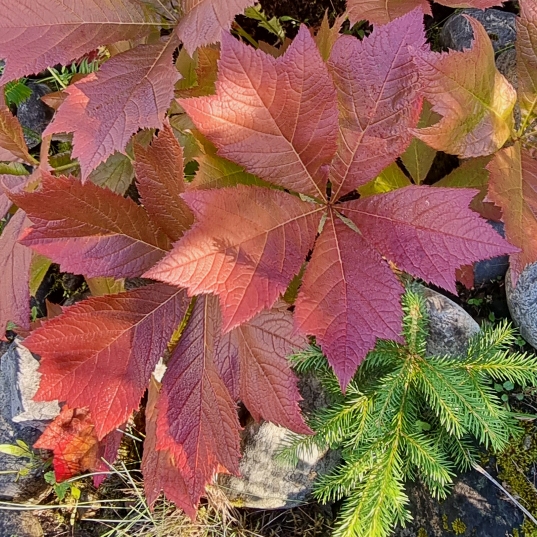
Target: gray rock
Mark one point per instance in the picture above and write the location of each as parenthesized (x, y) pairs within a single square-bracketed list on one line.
[(19, 368), (450, 327), (10, 432), (500, 26), (522, 302), (34, 115)]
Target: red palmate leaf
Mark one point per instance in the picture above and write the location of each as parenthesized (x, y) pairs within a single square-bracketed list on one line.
[(252, 361), (159, 172), (197, 419), (349, 297), (101, 352), (35, 34), (15, 262), (161, 474), (204, 20), (428, 232), (282, 126), (90, 230), (247, 246), (132, 90), (513, 187), (248, 241), (72, 439), (378, 99)]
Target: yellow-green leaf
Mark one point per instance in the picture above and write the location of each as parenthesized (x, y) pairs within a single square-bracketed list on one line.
[(391, 178), (38, 271), (475, 101), (116, 173), (418, 158), (105, 286)]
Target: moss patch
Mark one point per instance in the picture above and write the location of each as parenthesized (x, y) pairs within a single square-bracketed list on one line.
[(515, 463)]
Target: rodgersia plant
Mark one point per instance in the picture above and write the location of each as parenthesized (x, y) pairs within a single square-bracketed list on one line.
[(293, 190)]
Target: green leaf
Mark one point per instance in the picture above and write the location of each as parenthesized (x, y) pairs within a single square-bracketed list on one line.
[(38, 271), (391, 178), (418, 158), (13, 450), (16, 92)]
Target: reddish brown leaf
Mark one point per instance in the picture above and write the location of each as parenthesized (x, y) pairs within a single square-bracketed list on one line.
[(204, 20), (35, 34), (159, 171), (15, 262), (475, 100), (348, 298), (161, 474), (384, 11), (101, 352), (378, 100), (248, 244), (252, 360), (465, 275), (427, 231), (90, 230), (276, 117), (327, 36), (526, 63), (132, 90), (107, 453), (72, 439), (197, 419), (12, 144), (513, 187)]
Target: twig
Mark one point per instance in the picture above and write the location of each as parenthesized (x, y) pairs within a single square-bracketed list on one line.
[(482, 471)]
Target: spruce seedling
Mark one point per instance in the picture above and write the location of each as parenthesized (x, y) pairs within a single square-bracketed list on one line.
[(407, 416)]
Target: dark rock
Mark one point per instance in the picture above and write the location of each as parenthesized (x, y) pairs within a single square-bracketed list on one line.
[(506, 64), (34, 115), (491, 269), (475, 507), (522, 302), (19, 524), (500, 26)]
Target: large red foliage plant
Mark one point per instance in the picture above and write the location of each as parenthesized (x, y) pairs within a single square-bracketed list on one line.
[(296, 186)]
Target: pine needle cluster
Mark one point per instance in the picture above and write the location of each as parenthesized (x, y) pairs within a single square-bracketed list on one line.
[(408, 416)]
